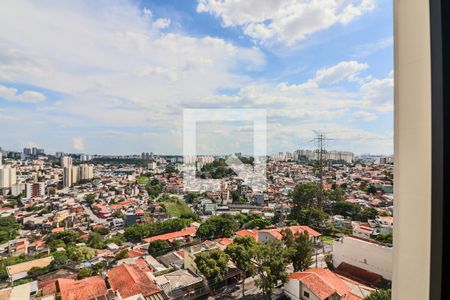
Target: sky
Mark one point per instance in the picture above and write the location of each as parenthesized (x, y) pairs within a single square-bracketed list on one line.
[(114, 76)]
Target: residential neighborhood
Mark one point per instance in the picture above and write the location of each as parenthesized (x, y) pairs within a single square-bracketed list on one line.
[(128, 230)]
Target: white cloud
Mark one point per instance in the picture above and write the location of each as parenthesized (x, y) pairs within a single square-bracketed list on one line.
[(364, 115), (379, 93), (161, 23), (370, 48), (12, 94), (286, 21), (107, 50), (345, 70), (78, 143)]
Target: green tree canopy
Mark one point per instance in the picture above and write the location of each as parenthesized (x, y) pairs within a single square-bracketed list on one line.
[(217, 227), (85, 272), (95, 240), (60, 259), (304, 196), (158, 247), (271, 260), (379, 295), (300, 252), (8, 229), (212, 264), (242, 253), (139, 231), (336, 194)]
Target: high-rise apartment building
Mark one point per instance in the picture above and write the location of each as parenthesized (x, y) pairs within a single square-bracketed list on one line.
[(36, 189), (7, 176), (85, 172), (66, 161)]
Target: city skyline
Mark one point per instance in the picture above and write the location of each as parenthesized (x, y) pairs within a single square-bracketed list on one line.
[(116, 75)]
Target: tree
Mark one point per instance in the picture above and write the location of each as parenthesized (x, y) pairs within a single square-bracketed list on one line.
[(83, 254), (84, 272), (121, 254), (90, 198), (217, 227), (301, 252), (117, 214), (95, 240), (98, 267), (372, 189), (241, 253), (102, 230), (213, 265), (37, 271), (66, 237), (368, 213), (287, 237), (60, 260), (379, 295), (345, 209), (258, 223), (304, 196), (336, 194), (8, 229), (270, 261), (314, 217), (384, 238), (158, 246)]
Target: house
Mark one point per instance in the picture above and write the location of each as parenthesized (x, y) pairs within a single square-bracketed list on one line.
[(185, 234), (182, 284), (88, 288), (362, 231), (23, 291), (248, 232), (318, 284), (363, 253), (20, 271), (275, 234), (172, 259), (130, 280), (190, 254), (18, 247)]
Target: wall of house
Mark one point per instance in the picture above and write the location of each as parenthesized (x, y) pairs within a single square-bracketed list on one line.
[(366, 255), (265, 236), (292, 289), (312, 296)]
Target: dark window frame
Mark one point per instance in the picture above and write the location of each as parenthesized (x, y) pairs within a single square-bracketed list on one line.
[(440, 95)]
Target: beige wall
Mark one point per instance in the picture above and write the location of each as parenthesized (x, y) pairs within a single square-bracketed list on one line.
[(412, 206)]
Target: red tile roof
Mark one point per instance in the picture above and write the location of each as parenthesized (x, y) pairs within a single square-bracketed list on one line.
[(135, 253), (276, 232), (130, 280), (87, 288), (359, 274), (248, 232), (188, 231), (323, 283)]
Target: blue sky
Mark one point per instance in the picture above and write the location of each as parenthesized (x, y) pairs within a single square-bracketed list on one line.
[(113, 77)]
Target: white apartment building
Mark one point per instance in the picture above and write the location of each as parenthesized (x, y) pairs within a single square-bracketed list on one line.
[(7, 176), (85, 172), (66, 161)]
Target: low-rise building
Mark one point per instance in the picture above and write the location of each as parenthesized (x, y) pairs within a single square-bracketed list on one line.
[(366, 254)]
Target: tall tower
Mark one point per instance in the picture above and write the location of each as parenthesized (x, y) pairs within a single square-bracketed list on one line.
[(320, 141)]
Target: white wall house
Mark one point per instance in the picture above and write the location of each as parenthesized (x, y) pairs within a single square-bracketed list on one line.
[(364, 254)]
